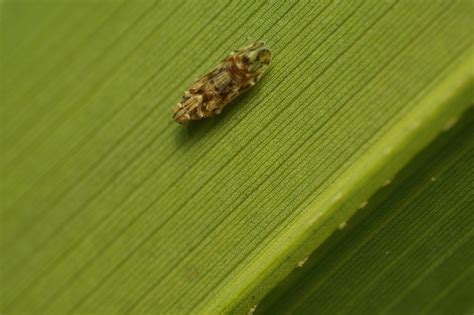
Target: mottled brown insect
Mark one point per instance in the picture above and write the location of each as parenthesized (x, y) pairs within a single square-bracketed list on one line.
[(208, 95)]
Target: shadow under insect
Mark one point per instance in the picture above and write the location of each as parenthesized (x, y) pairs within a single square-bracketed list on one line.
[(200, 129)]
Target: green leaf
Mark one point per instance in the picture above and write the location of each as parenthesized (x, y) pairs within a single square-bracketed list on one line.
[(410, 251), (108, 206)]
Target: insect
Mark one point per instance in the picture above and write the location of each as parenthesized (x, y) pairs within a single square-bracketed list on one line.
[(238, 72)]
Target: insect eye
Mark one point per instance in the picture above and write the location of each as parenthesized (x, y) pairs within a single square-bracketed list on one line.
[(245, 59), (265, 56)]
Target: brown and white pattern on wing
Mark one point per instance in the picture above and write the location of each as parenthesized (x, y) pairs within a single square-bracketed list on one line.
[(208, 95)]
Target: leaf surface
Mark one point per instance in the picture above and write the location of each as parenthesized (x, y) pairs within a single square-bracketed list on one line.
[(110, 206)]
